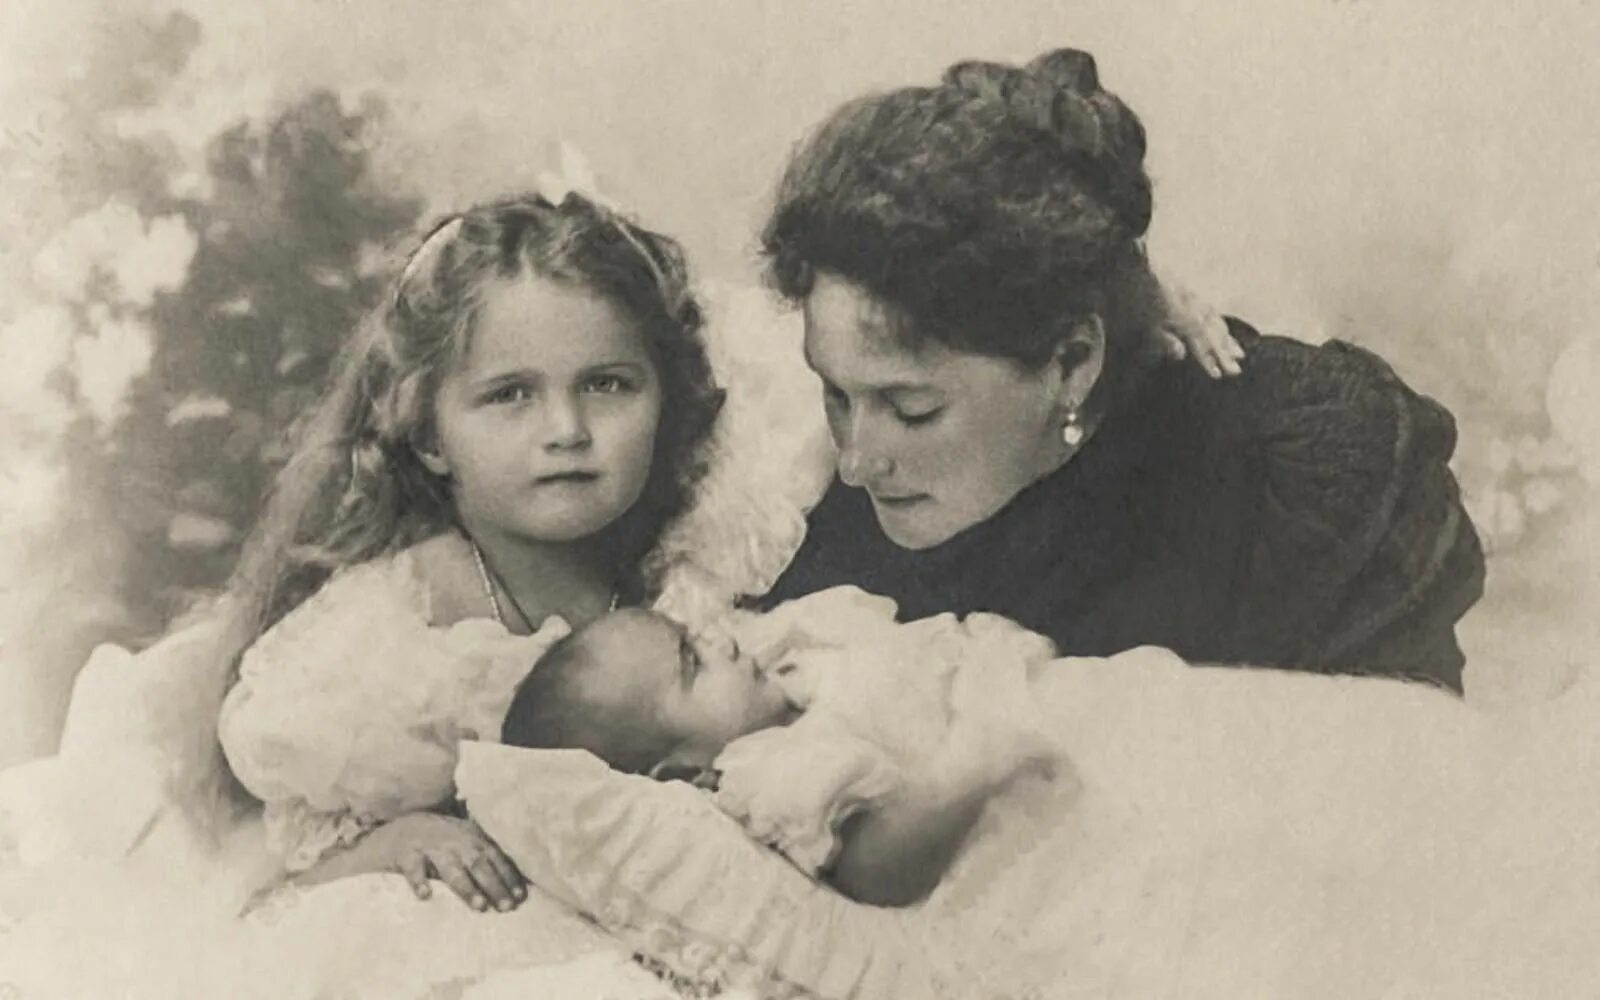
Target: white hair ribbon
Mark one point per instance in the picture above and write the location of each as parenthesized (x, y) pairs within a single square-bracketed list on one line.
[(573, 176), (427, 254)]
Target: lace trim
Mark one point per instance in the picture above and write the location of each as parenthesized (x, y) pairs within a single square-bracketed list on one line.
[(302, 836)]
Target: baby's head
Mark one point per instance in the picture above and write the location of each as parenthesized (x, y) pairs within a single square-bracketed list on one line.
[(637, 691)]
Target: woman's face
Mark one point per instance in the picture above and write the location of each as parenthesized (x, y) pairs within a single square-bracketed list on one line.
[(940, 439), (547, 427)]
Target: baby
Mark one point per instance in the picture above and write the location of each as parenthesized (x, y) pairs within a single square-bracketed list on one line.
[(861, 749), (636, 690)]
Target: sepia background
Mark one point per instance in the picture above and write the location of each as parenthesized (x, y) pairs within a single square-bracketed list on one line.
[(199, 198)]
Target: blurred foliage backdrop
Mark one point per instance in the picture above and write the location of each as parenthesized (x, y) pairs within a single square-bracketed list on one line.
[(203, 198), (285, 241)]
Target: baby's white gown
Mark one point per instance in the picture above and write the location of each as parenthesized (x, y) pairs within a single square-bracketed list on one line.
[(1205, 833)]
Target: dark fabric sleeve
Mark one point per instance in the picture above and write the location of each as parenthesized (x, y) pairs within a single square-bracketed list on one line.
[(1425, 571), (1363, 558)]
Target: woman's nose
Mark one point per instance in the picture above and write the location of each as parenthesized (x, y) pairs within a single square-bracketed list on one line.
[(861, 470), (565, 425), (861, 463)]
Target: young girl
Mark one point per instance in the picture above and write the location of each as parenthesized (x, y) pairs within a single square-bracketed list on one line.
[(499, 448)]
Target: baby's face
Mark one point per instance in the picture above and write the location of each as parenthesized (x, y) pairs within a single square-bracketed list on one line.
[(702, 694)]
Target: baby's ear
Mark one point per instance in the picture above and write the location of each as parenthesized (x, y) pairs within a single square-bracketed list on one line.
[(699, 775), (686, 763)]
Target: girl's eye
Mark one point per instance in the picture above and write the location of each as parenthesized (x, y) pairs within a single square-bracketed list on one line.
[(919, 418), (513, 392), (608, 384), (834, 397)]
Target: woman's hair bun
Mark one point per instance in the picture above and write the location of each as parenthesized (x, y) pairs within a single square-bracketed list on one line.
[(1059, 95), (992, 209), (1068, 69), (1093, 123), (985, 81)]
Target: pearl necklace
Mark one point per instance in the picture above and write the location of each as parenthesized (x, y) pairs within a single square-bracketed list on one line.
[(489, 591)]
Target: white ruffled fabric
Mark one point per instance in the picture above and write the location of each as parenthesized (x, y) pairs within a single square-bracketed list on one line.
[(348, 712), (793, 791), (1209, 833), (939, 704), (661, 867)]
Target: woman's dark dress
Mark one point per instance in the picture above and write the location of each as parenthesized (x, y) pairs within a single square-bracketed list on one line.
[(1301, 515)]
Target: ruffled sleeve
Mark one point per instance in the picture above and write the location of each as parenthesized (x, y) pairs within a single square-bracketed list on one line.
[(1362, 557), (793, 788), (348, 713), (939, 705)]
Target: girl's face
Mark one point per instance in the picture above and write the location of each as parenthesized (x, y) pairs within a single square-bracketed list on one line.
[(546, 428), (940, 439)]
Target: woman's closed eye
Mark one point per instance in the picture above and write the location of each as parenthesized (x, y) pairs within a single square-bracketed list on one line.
[(914, 406), (917, 418)]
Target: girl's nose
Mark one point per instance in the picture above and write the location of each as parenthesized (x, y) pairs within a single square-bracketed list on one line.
[(565, 425)]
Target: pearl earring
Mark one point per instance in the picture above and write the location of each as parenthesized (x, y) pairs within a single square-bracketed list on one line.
[(1072, 431)]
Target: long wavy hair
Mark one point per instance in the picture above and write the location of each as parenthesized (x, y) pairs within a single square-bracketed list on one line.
[(354, 487)]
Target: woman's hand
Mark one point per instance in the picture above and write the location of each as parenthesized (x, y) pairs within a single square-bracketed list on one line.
[(423, 846), (1190, 328)]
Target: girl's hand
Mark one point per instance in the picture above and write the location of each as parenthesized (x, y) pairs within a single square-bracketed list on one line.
[(423, 846), (1192, 329)]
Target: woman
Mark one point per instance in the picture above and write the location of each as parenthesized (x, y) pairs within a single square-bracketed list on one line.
[(976, 298)]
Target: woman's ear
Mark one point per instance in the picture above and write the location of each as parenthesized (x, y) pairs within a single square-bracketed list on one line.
[(1080, 358)]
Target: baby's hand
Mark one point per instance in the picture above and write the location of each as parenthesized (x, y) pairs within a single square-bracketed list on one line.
[(1191, 328)]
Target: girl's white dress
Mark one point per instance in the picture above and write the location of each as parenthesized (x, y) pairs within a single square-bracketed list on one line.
[(348, 712)]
